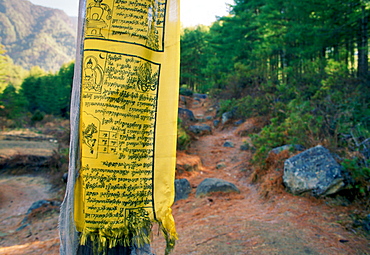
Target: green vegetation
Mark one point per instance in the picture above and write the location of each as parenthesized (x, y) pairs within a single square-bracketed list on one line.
[(360, 172), (38, 94), (49, 93), (183, 138), (302, 64)]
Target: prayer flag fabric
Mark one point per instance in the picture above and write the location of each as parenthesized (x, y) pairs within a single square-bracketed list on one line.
[(123, 124)]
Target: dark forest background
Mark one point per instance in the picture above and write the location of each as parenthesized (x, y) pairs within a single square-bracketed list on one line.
[(303, 66)]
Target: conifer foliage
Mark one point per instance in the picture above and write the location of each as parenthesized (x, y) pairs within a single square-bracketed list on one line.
[(38, 94), (302, 64)]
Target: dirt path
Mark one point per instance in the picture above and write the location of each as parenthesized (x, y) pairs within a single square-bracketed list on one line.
[(22, 233), (246, 223)]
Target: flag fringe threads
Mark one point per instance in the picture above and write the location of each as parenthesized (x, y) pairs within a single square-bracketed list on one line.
[(136, 233)]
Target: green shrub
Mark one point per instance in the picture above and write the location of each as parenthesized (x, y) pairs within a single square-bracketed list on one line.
[(226, 106), (360, 172), (297, 125), (38, 116), (186, 92), (245, 107), (183, 138)]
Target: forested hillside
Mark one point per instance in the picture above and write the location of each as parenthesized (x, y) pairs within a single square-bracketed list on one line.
[(35, 35)]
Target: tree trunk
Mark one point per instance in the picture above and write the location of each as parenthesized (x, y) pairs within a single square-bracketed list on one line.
[(362, 44)]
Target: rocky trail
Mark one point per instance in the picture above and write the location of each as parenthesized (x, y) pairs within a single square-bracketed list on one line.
[(248, 223), (219, 224)]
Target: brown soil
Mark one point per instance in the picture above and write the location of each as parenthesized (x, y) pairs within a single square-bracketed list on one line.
[(20, 233), (17, 195), (250, 222)]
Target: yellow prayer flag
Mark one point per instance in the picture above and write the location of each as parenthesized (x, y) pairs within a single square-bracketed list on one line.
[(124, 106)]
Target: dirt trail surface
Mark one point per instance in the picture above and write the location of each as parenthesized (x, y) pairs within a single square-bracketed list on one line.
[(23, 232), (219, 224), (17, 194), (247, 223)]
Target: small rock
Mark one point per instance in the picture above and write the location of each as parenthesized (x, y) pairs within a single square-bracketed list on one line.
[(182, 189), (239, 122), (244, 147), (216, 123), (200, 117), (201, 96), (65, 177), (200, 129), (220, 165), (229, 144), (211, 185), (186, 114), (227, 116)]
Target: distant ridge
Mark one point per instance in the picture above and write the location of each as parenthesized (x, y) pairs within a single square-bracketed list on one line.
[(34, 35)]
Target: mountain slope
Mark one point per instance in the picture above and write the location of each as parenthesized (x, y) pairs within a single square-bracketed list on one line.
[(36, 35)]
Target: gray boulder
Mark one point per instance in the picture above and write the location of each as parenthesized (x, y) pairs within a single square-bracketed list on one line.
[(201, 96), (200, 129), (239, 122), (216, 123), (227, 116), (182, 189), (313, 171), (186, 114), (211, 185)]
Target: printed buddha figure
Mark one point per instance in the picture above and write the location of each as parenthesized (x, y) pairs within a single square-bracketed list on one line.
[(95, 18), (92, 75)]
